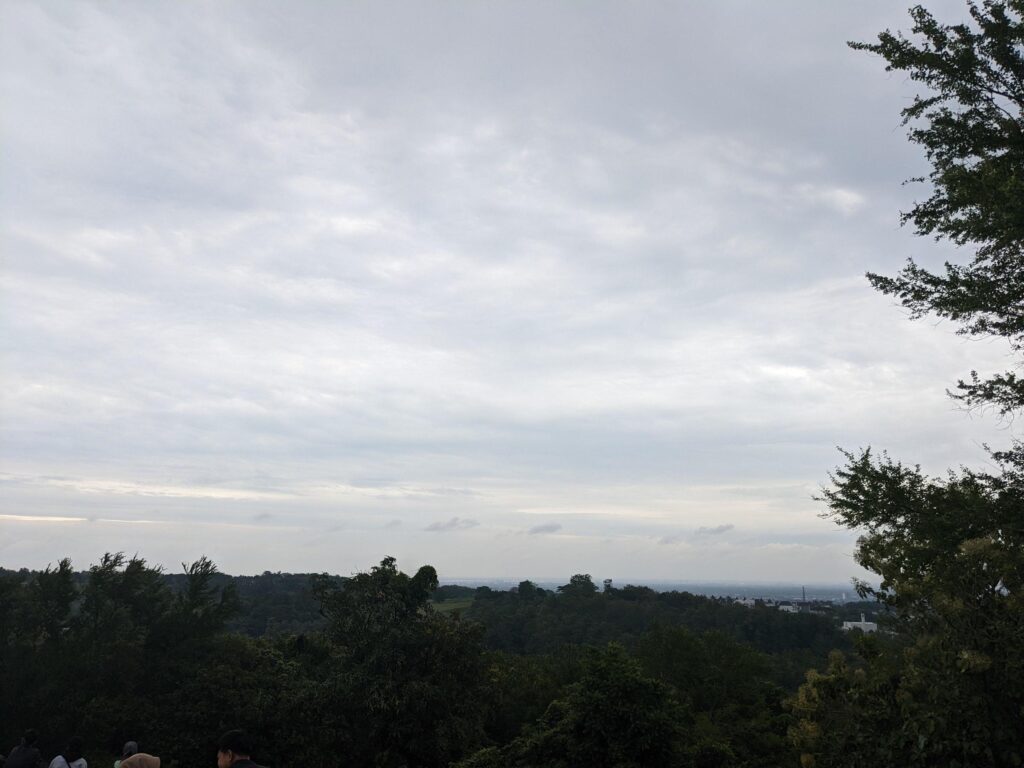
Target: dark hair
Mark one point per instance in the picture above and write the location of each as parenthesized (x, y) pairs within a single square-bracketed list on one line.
[(74, 750), (235, 741), (30, 737)]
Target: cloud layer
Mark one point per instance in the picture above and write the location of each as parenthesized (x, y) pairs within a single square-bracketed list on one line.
[(336, 280)]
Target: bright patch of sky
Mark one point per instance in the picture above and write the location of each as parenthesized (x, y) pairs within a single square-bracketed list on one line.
[(515, 289)]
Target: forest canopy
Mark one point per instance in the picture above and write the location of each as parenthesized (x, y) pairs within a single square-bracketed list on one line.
[(125, 652)]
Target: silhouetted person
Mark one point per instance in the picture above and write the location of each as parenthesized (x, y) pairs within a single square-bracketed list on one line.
[(129, 749), (70, 757), (139, 759), (74, 755), (234, 750), (26, 754)]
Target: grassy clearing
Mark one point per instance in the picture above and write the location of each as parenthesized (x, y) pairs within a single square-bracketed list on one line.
[(448, 606)]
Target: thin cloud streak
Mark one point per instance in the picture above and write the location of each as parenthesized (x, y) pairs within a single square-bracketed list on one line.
[(43, 519), (545, 528), (455, 524)]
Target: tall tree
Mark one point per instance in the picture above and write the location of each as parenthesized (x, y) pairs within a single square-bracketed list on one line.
[(406, 680), (580, 585), (949, 690), (970, 122)]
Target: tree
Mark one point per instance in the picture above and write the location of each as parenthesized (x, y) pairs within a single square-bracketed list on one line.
[(201, 604), (405, 681), (970, 122), (51, 596), (527, 590), (615, 717), (36, 652), (949, 689), (580, 585), (950, 554), (736, 705)]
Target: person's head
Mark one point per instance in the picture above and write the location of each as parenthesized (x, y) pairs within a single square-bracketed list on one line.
[(233, 745), (74, 750), (30, 737), (130, 748)]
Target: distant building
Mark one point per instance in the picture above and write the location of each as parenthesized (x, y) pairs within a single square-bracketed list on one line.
[(788, 607), (862, 625)]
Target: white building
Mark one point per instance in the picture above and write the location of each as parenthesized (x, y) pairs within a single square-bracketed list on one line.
[(863, 626)]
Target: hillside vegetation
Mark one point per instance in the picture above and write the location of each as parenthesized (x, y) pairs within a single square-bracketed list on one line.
[(370, 670)]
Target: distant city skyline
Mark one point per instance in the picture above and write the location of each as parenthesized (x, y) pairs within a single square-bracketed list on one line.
[(503, 288)]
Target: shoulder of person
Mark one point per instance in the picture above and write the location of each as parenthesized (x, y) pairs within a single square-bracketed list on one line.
[(140, 760)]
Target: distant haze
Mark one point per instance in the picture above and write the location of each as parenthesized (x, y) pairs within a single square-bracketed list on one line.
[(507, 288), (753, 590)]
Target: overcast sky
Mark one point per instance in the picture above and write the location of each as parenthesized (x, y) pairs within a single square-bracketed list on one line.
[(511, 288)]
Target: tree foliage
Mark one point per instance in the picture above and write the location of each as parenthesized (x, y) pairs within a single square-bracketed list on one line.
[(970, 122), (406, 680), (614, 717), (93, 655), (950, 689), (580, 585), (533, 621), (946, 689), (123, 651)]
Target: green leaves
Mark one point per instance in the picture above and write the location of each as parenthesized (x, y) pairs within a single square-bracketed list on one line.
[(407, 680), (970, 122), (949, 552), (950, 685), (614, 716), (580, 585)]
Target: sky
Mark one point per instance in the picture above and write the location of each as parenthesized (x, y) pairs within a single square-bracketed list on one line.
[(517, 289)]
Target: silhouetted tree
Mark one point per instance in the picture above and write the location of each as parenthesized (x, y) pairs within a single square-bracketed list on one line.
[(614, 717), (970, 122), (406, 681), (950, 551), (580, 585)]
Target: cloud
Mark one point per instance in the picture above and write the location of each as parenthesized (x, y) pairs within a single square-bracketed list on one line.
[(716, 530), (44, 518), (544, 528), (455, 524), (456, 287), (704, 530)]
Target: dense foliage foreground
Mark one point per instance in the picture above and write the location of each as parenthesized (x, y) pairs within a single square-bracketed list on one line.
[(949, 551), (124, 652)]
